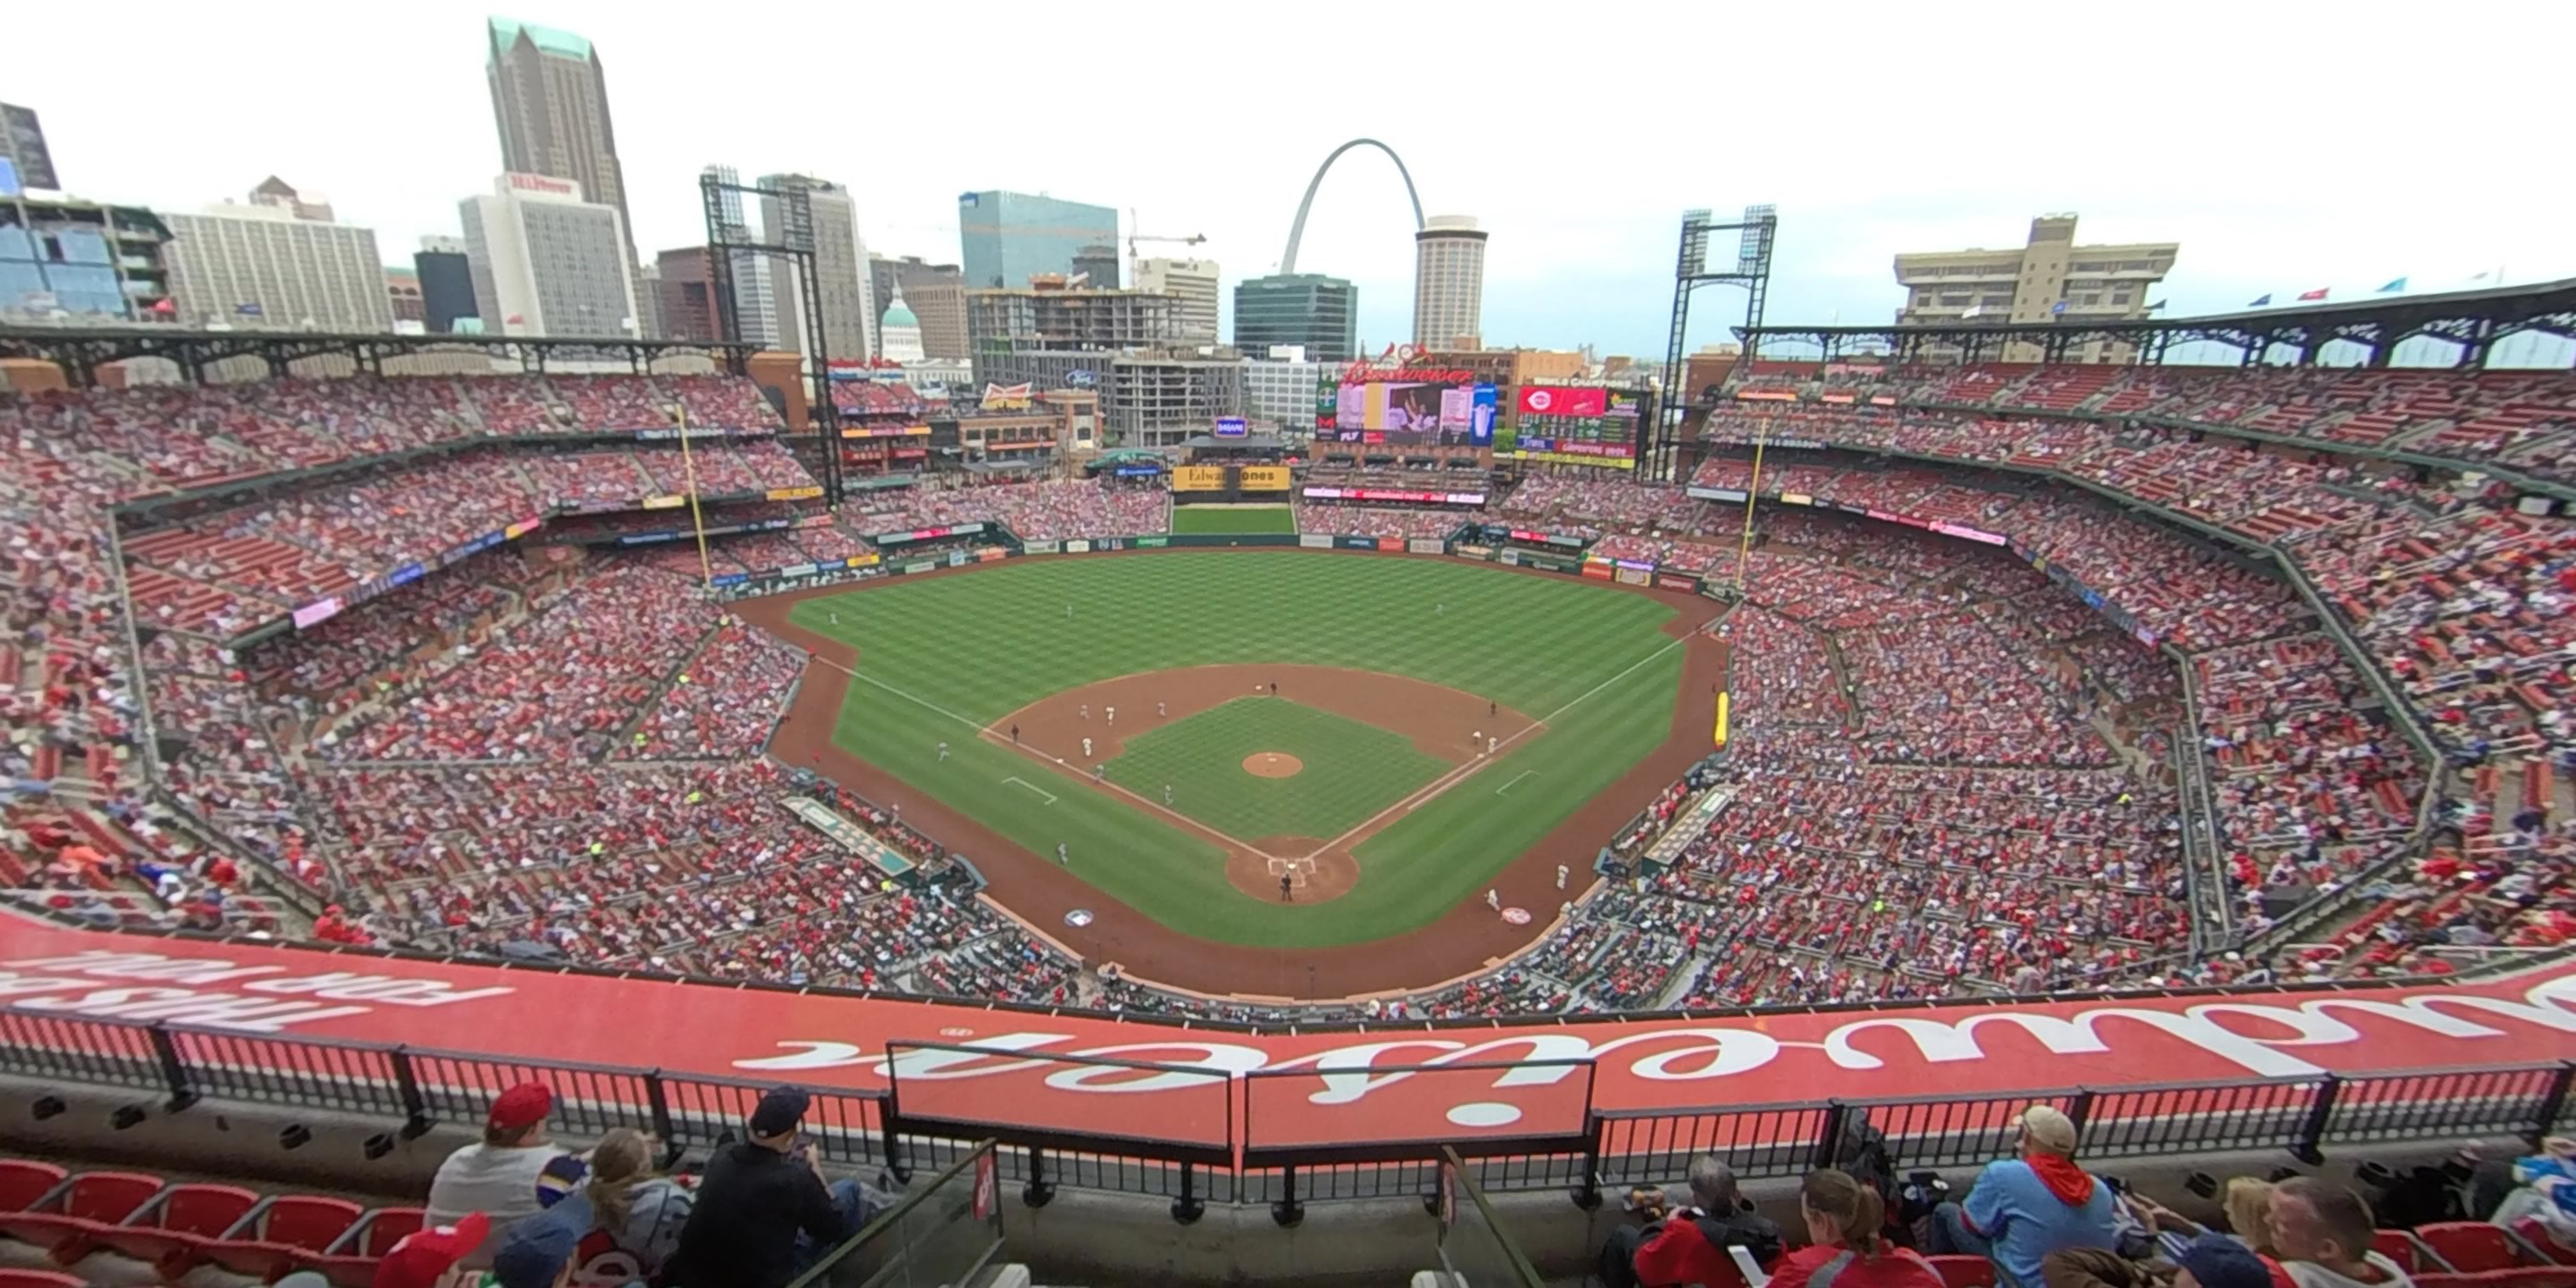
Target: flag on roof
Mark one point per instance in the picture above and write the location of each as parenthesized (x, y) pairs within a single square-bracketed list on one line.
[(2397, 284), (2157, 305), (2260, 301), (2317, 294)]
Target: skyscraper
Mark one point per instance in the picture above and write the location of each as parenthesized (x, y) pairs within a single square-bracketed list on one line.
[(1192, 285), (1449, 284), (2049, 279), (279, 262), (550, 101), (22, 147), (546, 262), (446, 282), (1305, 310), (755, 293), (840, 266), (1007, 236)]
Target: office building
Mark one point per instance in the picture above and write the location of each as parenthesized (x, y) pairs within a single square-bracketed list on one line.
[(804, 204), (1009, 237), (550, 102), (754, 316), (278, 194), (82, 260), (1163, 398), (936, 294), (1449, 284), (277, 263), (547, 262), (402, 290), (25, 162), (446, 283), (683, 295), (1307, 311), (899, 332), (1097, 266), (1050, 315), (2049, 279), (1192, 285), (1279, 389)]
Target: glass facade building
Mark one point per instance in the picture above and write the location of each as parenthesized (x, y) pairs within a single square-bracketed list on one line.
[(1309, 309), (1006, 236)]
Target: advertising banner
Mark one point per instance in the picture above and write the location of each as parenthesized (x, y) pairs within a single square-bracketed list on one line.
[(1600, 569), (1357, 543), (1152, 543), (1314, 541), (1397, 496), (1568, 458), (1427, 546), (1797, 498), (1264, 478), (1714, 494), (729, 578), (1466, 551), (1972, 534), (959, 558), (1229, 427), (991, 554), (861, 561), (1077, 546), (1512, 557), (1391, 544), (522, 528), (1563, 400), (317, 612), (1634, 576), (1675, 581), (921, 565), (646, 538), (794, 493), (930, 534), (1039, 548), (1198, 478)]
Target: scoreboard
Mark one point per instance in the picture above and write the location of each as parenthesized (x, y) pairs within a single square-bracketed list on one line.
[(1579, 425)]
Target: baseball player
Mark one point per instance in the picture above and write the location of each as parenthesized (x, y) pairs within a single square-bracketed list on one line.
[(1560, 876), (1492, 744), (1158, 710), (1086, 748), (1113, 716), (1086, 711), (1493, 900), (943, 751), (1167, 793), (1061, 856)]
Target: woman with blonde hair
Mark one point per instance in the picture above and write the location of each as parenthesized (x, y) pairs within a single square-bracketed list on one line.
[(1847, 1221), (619, 1227)]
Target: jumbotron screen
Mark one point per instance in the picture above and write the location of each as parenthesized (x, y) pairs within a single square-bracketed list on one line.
[(1577, 425), (1410, 413)]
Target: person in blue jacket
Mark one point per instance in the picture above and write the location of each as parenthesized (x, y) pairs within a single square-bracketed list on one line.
[(2023, 1208)]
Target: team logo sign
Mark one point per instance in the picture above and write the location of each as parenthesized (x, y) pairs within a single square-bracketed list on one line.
[(1078, 918), (1517, 916)]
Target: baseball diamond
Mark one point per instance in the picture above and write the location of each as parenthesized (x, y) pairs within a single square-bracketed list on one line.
[(1394, 682)]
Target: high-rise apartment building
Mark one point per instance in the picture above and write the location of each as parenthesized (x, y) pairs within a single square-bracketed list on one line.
[(2049, 279), (25, 162), (550, 102), (754, 275), (1009, 237), (1097, 266), (273, 191), (1303, 310), (849, 311), (937, 295), (685, 295), (1279, 388), (278, 262), (546, 262), (1449, 284), (446, 283), (1055, 317), (1165, 398), (1192, 285), (84, 260)]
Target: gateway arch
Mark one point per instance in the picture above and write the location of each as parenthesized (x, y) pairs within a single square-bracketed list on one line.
[(1297, 230)]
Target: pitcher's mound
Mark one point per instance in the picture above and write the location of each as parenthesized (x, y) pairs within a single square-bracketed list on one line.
[(1273, 764)]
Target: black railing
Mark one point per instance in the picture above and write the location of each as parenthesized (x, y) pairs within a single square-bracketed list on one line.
[(1234, 1138)]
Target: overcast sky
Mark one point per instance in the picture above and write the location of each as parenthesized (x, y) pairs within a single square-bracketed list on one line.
[(2285, 146)]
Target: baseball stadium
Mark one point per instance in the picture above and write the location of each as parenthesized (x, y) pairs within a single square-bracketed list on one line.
[(1484, 797)]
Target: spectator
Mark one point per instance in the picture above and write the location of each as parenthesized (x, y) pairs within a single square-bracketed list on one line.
[(1846, 1221), (500, 1176), (425, 1257), (2548, 1190), (2247, 1202), (2210, 1261), (2323, 1231), (2021, 1209), (621, 1227), (1687, 1244), (764, 1211)]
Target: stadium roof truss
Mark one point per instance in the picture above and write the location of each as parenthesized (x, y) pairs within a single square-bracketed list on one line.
[(81, 351), (2475, 322)]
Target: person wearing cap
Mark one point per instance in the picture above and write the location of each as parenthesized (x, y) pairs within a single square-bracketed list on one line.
[(2323, 1231), (621, 1226), (503, 1176), (2210, 1261), (2023, 1208), (763, 1209)]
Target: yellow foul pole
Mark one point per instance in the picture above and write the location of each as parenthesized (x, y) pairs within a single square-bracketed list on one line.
[(697, 520), (1752, 489)]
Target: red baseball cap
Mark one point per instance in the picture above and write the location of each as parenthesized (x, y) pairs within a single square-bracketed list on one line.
[(521, 1107), (426, 1255)]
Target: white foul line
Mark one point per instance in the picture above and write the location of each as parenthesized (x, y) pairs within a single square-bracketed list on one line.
[(1515, 781), (1050, 796)]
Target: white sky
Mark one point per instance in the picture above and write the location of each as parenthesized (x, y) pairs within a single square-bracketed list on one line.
[(2286, 146)]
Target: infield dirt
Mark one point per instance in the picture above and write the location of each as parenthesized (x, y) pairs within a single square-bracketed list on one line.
[(1467, 939)]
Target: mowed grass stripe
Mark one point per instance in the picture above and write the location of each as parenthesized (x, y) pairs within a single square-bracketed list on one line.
[(1233, 520), (986, 644), (1352, 770)]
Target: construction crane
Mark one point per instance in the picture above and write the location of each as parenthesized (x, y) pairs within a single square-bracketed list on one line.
[(1135, 237)]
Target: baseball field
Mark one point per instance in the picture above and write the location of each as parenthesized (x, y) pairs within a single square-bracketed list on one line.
[(1270, 749)]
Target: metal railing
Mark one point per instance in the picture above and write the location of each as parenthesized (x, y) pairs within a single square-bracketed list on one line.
[(1256, 1138), (1476, 1248), (945, 1231)]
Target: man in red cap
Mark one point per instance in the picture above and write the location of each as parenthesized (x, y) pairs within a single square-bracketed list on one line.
[(503, 1177), (424, 1256)]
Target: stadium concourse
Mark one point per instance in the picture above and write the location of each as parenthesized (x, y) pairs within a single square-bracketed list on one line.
[(436, 702)]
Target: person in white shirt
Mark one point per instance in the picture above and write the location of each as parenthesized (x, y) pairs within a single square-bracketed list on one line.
[(499, 1176)]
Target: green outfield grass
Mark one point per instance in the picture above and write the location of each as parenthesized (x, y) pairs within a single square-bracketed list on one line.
[(940, 657), (1352, 771), (1232, 520)]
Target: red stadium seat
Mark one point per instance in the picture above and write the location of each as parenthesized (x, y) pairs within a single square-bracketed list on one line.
[(40, 1279), (2519, 1277), (22, 1183), (172, 1229), (1964, 1272), (351, 1260), (2472, 1246), (72, 1214), (2401, 1247), (2538, 1238), (278, 1236)]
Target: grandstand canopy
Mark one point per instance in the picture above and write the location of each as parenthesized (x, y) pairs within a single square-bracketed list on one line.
[(2474, 321), (80, 351)]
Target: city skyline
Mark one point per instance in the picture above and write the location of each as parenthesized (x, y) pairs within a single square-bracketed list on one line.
[(1582, 207)]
